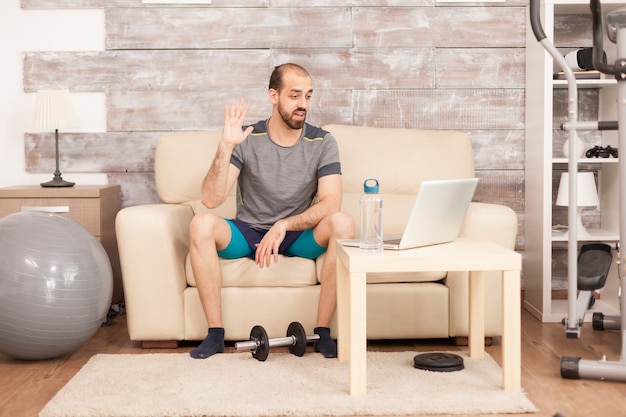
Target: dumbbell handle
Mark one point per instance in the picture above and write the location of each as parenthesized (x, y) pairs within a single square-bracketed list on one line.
[(280, 341)]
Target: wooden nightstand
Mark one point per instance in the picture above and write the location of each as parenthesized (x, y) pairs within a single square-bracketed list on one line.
[(93, 206)]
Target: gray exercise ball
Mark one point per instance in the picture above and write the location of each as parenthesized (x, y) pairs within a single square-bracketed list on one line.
[(56, 285)]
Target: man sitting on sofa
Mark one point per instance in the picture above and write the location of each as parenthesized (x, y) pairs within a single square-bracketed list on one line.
[(289, 189)]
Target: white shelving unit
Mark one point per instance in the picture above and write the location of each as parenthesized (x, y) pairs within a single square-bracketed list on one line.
[(544, 165)]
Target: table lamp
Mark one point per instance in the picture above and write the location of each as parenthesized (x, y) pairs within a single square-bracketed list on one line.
[(587, 196), (54, 111)]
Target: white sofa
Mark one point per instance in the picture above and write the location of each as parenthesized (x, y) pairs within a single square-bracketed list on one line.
[(162, 302)]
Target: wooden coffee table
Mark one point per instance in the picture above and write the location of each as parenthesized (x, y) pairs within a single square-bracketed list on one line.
[(462, 255)]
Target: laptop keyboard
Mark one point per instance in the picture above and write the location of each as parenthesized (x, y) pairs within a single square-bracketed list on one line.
[(392, 241)]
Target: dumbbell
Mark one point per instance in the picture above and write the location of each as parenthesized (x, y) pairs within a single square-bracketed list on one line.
[(260, 344)]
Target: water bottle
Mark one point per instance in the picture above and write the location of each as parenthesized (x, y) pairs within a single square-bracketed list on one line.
[(371, 204)]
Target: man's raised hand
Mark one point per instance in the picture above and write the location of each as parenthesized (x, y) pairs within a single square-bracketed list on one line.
[(234, 116)]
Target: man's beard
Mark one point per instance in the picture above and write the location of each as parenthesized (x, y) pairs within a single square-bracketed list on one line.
[(287, 118)]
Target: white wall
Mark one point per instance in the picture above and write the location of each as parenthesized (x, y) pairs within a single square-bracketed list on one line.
[(42, 30)]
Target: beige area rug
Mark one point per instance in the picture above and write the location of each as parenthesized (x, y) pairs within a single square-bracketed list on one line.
[(235, 384)]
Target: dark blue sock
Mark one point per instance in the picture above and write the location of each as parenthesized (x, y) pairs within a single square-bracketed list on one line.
[(214, 343), (325, 345)]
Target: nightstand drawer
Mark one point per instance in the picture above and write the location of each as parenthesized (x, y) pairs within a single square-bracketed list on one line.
[(85, 211)]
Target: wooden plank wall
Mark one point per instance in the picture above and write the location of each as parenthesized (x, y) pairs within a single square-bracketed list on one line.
[(390, 63)]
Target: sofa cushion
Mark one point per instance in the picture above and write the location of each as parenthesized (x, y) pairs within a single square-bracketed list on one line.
[(386, 278), (287, 272), (398, 277)]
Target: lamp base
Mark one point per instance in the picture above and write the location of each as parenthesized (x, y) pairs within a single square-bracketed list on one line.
[(57, 182), (581, 230)]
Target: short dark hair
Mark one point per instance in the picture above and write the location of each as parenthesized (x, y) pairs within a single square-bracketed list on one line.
[(276, 79)]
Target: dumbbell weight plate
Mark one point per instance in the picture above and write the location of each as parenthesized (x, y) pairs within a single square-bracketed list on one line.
[(438, 362), (296, 330), (259, 335)]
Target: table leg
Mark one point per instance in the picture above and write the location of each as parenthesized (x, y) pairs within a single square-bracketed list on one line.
[(358, 333), (343, 311), (511, 332), (476, 336)]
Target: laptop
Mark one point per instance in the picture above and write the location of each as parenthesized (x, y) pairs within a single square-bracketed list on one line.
[(436, 217)]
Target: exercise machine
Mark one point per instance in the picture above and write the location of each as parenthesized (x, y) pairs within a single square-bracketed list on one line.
[(574, 367), (594, 263)]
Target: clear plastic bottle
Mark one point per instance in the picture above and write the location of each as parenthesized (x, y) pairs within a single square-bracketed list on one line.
[(371, 205)]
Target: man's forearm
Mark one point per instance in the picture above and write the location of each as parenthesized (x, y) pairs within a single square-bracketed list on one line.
[(311, 217), (215, 184)]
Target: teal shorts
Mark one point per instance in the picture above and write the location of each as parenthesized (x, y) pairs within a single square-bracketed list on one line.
[(244, 239)]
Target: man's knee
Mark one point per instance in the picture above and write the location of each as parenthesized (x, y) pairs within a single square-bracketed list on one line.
[(342, 224), (338, 225), (203, 227)]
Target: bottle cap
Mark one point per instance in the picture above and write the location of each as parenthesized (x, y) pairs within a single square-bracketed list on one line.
[(370, 189)]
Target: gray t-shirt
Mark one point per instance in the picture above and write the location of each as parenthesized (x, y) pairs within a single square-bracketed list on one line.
[(277, 182)]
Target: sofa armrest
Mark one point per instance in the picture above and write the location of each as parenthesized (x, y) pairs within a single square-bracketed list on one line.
[(153, 242), (495, 223)]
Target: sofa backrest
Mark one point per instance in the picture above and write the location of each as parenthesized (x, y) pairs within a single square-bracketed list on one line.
[(399, 158), (181, 161)]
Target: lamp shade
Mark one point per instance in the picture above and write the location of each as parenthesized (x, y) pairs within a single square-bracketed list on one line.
[(54, 111), (585, 187)]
